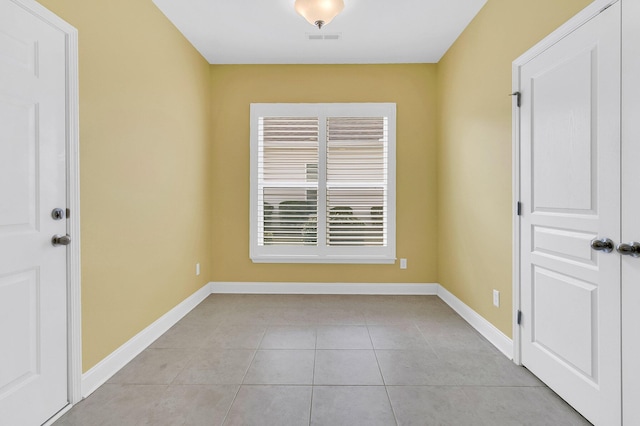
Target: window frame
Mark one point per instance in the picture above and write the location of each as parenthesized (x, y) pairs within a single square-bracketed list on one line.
[(323, 253)]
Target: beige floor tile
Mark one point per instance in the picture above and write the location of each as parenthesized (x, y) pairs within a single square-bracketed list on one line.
[(342, 312), (406, 337), (293, 316), (216, 367), (116, 405), (351, 405), (431, 405), (271, 405), (289, 337), (281, 367), (187, 334), (421, 368), (154, 367), (244, 336), (346, 367), (412, 368), (521, 406), (189, 405), (343, 337)]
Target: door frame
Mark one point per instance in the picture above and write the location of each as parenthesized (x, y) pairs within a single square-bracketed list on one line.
[(74, 335), (564, 30)]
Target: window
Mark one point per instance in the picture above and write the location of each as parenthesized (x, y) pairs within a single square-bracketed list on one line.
[(323, 183)]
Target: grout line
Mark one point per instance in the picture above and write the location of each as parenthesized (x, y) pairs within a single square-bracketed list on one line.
[(224, 419), (255, 352), (186, 364), (313, 375), (426, 341), (395, 418)]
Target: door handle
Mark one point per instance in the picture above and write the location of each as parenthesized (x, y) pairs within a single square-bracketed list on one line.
[(631, 249), (60, 240), (602, 244)]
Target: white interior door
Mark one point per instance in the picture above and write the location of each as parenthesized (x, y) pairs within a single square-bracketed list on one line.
[(570, 193), (33, 281), (630, 208)]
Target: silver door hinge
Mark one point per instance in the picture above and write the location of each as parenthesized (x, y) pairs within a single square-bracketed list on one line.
[(518, 96), (519, 317), (519, 208), (607, 6)]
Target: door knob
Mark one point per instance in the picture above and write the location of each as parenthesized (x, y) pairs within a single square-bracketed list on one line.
[(60, 240), (602, 244), (631, 249)]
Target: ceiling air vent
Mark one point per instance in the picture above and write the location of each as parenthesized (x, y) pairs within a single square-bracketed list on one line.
[(334, 36)]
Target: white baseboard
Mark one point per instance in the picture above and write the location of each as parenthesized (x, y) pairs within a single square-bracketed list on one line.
[(106, 368), (484, 327), (325, 288)]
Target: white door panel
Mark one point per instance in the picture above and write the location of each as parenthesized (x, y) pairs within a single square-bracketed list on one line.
[(554, 319), (18, 52), (570, 193), (18, 166), (33, 281), (563, 246), (19, 295), (561, 116)]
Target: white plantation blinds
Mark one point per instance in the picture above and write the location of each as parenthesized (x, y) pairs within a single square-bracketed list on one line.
[(287, 180), (356, 201), (323, 183)]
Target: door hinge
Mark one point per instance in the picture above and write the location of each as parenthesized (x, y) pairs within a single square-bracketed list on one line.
[(519, 317), (519, 208), (68, 212), (607, 6), (518, 96)]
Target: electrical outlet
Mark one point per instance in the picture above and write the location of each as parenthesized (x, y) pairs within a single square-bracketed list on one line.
[(197, 269), (496, 298), (403, 263)]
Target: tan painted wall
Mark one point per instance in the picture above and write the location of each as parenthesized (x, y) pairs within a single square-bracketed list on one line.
[(150, 179), (474, 149), (412, 87), (144, 133)]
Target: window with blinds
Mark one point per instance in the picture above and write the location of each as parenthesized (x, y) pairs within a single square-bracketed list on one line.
[(287, 180), (323, 183)]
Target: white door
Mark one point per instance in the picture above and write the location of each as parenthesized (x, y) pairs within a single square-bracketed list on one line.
[(630, 209), (570, 194), (33, 281)]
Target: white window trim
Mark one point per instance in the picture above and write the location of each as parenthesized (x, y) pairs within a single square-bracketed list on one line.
[(304, 254)]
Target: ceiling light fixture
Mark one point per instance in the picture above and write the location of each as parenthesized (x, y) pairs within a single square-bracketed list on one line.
[(319, 12)]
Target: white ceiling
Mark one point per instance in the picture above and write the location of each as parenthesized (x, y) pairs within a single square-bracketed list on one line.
[(271, 32)]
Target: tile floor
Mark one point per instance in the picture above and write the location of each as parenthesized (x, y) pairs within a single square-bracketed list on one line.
[(322, 360)]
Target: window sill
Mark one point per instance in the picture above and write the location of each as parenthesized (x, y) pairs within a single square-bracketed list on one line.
[(355, 260)]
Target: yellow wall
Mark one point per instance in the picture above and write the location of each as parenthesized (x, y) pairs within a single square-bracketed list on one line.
[(144, 144), (411, 87), (165, 161), (474, 149)]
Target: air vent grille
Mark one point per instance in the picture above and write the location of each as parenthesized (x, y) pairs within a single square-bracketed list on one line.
[(315, 36)]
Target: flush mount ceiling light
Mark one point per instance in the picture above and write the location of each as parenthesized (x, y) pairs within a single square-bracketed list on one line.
[(319, 12)]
